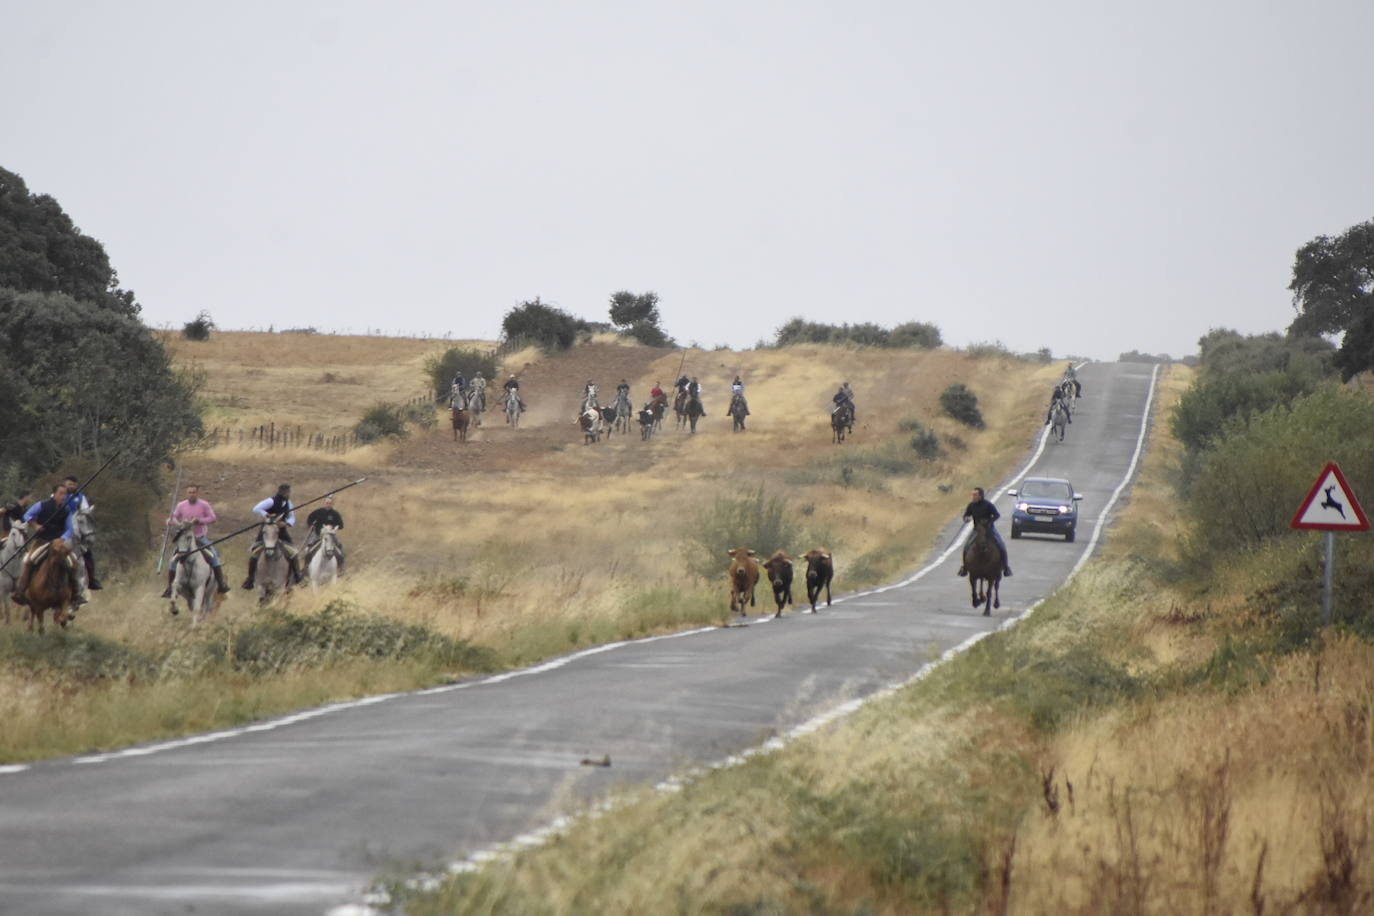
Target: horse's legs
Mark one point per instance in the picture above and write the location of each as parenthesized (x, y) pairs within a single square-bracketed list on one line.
[(973, 589), (997, 593)]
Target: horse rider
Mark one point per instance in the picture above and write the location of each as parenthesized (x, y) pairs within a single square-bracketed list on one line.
[(326, 515), (694, 391), (49, 520), (280, 510), (656, 391), (479, 389), (78, 501), (982, 508), (14, 512), (1057, 395), (737, 391), (844, 396), (1072, 375), (589, 395), (682, 383), (513, 384), (623, 389), (202, 515)]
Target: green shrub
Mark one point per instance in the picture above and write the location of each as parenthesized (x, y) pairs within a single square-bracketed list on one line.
[(338, 633), (919, 334), (441, 367), (549, 328), (865, 334), (382, 421), (926, 444), (989, 350), (755, 520), (198, 328), (651, 335), (962, 404), (1252, 478)]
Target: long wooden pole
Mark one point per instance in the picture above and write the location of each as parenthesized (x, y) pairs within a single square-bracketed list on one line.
[(176, 488)]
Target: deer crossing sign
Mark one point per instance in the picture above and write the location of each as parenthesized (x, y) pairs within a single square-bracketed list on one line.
[(1330, 505)]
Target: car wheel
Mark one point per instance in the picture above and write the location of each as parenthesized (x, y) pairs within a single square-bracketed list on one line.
[(1068, 538), (1015, 531)]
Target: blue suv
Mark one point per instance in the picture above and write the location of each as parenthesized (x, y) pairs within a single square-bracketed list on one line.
[(1045, 505)]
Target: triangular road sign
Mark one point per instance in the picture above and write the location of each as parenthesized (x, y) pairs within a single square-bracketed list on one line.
[(1331, 506)]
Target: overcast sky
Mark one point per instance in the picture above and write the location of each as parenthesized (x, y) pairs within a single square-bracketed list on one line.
[(1060, 174)]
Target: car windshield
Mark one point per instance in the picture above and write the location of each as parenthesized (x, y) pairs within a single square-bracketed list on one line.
[(1046, 489)]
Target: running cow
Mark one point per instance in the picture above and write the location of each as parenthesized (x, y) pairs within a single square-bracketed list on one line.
[(744, 576)]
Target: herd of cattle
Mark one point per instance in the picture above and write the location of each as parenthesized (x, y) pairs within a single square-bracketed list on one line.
[(744, 576)]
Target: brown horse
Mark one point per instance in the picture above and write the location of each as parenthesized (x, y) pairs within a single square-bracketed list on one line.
[(462, 417), (52, 584), (983, 560), (657, 405)]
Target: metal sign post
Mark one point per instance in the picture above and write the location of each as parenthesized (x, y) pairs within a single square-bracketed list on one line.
[(1336, 510)]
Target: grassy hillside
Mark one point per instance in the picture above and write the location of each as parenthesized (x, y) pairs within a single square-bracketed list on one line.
[(1148, 741), (520, 543)]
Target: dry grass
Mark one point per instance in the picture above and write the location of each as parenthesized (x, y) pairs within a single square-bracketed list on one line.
[(528, 543)]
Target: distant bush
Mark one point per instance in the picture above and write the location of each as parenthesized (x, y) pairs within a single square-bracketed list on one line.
[(989, 350), (441, 367), (382, 421), (651, 335), (1135, 356), (198, 328), (910, 334), (962, 404), (422, 415), (549, 328), (915, 334), (925, 443), (755, 520), (299, 331)]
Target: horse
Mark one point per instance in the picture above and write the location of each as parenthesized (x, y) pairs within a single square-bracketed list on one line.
[(657, 405), (477, 404), (195, 579), (694, 412), (52, 583), (738, 411), (84, 529), (590, 422), (680, 407), (983, 560), (841, 419), (1067, 389), (623, 411), (274, 567), (1059, 417), (513, 408), (324, 563), (12, 545)]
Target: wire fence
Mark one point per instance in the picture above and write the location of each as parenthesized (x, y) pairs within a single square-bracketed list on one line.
[(275, 436)]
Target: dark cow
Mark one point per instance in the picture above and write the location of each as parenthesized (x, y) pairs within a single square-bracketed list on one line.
[(646, 424), (744, 575), (779, 567), (820, 569)]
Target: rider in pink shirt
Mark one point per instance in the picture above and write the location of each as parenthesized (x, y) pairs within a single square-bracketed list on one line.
[(202, 514)]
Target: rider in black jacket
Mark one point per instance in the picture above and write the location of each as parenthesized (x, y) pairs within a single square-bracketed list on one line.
[(981, 508)]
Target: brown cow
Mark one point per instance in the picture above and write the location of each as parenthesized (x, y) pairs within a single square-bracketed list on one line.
[(744, 575), (462, 418), (820, 569), (779, 567)]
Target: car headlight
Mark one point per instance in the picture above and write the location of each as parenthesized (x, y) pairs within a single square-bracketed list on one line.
[(1023, 506), (1065, 510)]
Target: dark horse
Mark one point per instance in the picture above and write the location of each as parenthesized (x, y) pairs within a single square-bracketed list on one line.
[(694, 412), (680, 407), (52, 584), (983, 560), (462, 417), (738, 411), (841, 419)]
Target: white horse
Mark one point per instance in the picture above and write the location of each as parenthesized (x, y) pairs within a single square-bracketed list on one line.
[(589, 402), (513, 408), (195, 579), (274, 567), (477, 403), (324, 564), (84, 529), (1059, 418), (11, 550)]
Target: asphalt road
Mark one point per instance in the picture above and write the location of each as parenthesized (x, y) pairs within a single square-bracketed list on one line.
[(297, 815)]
